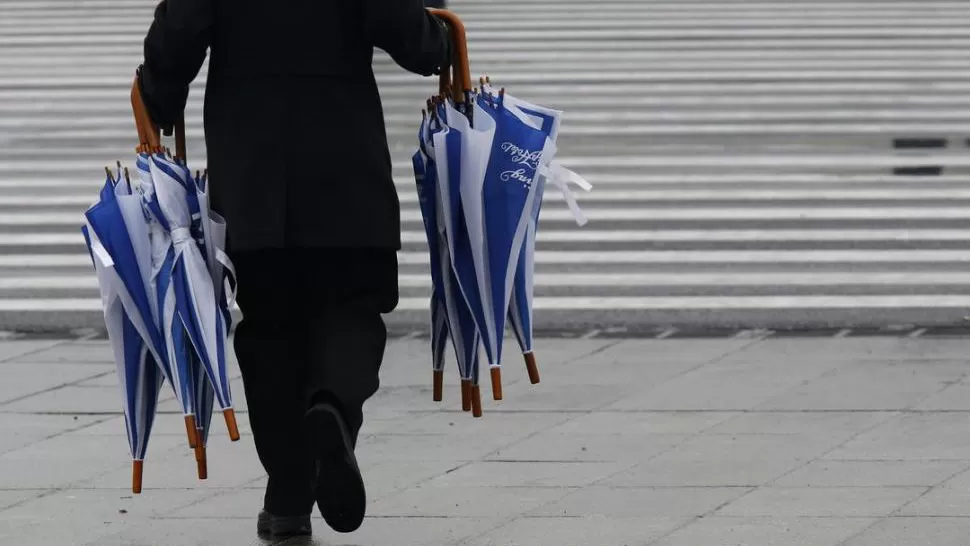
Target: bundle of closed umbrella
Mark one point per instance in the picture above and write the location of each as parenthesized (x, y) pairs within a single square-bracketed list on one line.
[(483, 162), (159, 254)]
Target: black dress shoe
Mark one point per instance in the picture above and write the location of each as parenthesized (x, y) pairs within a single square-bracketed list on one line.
[(340, 487), (268, 525)]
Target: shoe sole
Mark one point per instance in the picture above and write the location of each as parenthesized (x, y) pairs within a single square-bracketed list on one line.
[(283, 527), (340, 488)]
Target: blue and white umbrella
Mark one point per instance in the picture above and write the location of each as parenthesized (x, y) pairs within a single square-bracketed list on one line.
[(177, 355), (199, 300), (116, 235), (521, 307), (493, 155), (450, 315)]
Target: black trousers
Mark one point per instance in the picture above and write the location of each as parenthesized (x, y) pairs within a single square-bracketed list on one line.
[(311, 329)]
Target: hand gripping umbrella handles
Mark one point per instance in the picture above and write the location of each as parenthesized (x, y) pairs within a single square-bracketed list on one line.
[(149, 136), (459, 82)]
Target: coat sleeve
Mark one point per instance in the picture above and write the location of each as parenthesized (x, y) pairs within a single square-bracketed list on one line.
[(175, 49), (415, 39)]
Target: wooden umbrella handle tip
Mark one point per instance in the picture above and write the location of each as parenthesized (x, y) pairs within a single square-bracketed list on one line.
[(191, 431), (202, 463), (476, 401), (496, 376), (439, 385), (466, 395), (231, 424), (137, 474), (532, 368)]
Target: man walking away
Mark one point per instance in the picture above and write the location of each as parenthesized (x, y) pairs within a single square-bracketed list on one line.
[(299, 166)]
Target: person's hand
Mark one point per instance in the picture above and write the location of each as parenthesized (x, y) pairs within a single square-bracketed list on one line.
[(145, 87), (446, 36)]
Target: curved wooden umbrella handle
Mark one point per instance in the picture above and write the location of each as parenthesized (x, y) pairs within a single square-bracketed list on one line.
[(149, 136), (460, 81)]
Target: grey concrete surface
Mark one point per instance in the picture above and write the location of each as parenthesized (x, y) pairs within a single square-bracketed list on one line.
[(677, 442)]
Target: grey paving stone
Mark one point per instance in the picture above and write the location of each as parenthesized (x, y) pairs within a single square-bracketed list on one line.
[(11, 497), (769, 531), (956, 397), (602, 370), (457, 423), (580, 531), (643, 422), (915, 532), (553, 396), (186, 532), (428, 447), (97, 352), (77, 400), (166, 424), (718, 387), (86, 517), (391, 476), (871, 386), (840, 502), (67, 459), (465, 501), (18, 431), (724, 460), (921, 436), (860, 348), (554, 446), (834, 426), (15, 350), (641, 502), (527, 474), (231, 464), (414, 531), (24, 379), (829, 473), (951, 499), (696, 351)]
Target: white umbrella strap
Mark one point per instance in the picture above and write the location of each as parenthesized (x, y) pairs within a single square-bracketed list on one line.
[(231, 287), (561, 177)]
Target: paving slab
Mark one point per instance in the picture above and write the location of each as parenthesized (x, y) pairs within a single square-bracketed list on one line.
[(767, 531), (846, 502), (659, 442), (18, 430), (641, 502), (16, 350), (21, 380), (833, 473), (908, 531), (578, 531), (78, 352), (951, 499), (722, 460), (913, 436), (883, 386), (466, 501)]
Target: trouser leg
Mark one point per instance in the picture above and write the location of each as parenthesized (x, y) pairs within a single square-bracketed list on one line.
[(274, 381), (347, 292)]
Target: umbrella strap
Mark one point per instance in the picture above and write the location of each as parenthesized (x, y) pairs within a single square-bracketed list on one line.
[(561, 177), (231, 288)]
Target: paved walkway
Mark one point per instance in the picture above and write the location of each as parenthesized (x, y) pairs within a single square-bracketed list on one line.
[(788, 442)]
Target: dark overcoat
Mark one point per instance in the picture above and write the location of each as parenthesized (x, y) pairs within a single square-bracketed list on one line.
[(294, 128)]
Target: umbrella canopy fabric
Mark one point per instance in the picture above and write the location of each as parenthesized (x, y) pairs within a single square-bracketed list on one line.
[(177, 355), (490, 177), (450, 316), (117, 238), (197, 301)]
